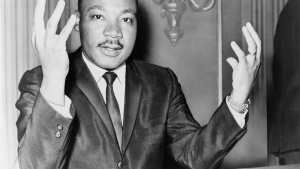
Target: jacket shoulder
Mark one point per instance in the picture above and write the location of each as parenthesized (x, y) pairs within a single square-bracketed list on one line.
[(151, 69), (156, 75)]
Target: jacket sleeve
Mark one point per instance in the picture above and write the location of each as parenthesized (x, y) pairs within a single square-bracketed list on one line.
[(193, 146), (42, 132)]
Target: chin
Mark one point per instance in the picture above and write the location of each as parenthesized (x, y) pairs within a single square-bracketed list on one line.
[(109, 65)]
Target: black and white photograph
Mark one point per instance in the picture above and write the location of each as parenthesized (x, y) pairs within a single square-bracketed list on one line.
[(150, 84)]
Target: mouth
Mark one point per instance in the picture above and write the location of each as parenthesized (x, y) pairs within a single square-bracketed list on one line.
[(111, 49)]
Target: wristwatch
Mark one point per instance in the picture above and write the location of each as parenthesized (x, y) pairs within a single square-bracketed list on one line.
[(238, 107)]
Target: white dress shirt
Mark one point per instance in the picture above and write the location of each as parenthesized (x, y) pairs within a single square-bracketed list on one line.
[(119, 91)]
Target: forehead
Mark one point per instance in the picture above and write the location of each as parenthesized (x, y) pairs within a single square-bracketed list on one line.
[(109, 5)]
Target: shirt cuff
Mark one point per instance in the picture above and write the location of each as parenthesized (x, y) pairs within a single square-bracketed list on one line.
[(63, 110), (239, 118)]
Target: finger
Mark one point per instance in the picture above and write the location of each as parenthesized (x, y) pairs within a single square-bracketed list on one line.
[(250, 41), (251, 60), (232, 62), (39, 12), (54, 19), (256, 39), (68, 28), (238, 51)]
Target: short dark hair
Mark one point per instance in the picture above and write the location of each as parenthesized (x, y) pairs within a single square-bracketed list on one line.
[(80, 2), (79, 5)]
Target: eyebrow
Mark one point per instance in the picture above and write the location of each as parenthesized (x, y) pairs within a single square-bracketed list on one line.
[(102, 9), (129, 11), (96, 7)]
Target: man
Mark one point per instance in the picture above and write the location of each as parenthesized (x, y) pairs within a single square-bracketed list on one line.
[(285, 133), (124, 113)]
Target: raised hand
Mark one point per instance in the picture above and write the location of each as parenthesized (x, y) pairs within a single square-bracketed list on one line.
[(50, 47), (247, 66), (51, 50)]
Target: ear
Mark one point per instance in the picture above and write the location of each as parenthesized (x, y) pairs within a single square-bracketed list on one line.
[(76, 26)]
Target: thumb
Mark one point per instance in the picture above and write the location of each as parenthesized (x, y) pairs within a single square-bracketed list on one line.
[(232, 62)]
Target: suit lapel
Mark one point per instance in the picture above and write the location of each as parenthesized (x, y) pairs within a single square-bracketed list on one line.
[(86, 83), (133, 92)]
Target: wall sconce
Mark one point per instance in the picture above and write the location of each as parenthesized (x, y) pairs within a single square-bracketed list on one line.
[(173, 11)]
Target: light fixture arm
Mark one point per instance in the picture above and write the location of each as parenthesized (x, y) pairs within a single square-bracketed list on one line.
[(173, 11)]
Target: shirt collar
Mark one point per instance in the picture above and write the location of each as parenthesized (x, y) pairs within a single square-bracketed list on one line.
[(98, 72)]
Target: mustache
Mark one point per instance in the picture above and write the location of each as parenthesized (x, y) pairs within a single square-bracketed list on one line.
[(111, 42)]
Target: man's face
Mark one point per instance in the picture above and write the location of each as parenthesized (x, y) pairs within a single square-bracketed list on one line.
[(108, 31)]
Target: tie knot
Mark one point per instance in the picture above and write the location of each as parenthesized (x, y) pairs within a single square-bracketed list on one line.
[(109, 77)]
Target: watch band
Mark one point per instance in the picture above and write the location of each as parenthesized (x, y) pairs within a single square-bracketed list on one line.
[(240, 108)]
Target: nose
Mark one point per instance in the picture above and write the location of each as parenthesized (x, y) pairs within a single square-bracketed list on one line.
[(113, 30)]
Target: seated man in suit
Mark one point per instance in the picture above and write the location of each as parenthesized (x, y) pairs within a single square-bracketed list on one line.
[(98, 108)]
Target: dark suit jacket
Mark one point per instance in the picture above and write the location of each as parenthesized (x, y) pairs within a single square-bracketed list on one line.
[(285, 133), (159, 130)]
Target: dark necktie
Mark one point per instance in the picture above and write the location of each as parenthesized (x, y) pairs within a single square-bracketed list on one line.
[(112, 105)]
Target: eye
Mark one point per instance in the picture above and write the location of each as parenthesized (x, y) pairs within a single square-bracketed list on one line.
[(128, 20), (98, 17)]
